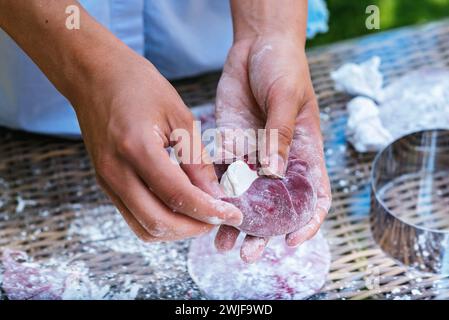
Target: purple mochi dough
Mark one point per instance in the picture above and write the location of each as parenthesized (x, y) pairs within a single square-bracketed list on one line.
[(273, 207)]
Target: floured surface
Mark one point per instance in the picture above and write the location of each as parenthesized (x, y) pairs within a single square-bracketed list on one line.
[(282, 273), (133, 267)]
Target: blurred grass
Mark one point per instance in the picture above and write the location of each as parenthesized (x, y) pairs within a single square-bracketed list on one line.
[(347, 17)]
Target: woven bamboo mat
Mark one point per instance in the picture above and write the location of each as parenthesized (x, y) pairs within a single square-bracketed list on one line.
[(49, 197)]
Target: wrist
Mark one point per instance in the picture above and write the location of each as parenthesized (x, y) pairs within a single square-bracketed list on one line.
[(87, 67), (111, 71), (264, 18)]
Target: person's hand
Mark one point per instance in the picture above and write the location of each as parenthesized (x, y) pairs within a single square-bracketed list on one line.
[(266, 84), (127, 112)]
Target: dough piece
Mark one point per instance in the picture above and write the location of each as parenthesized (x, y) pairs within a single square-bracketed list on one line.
[(270, 206), (282, 273), (363, 79), (23, 280), (416, 101), (274, 207), (364, 128)]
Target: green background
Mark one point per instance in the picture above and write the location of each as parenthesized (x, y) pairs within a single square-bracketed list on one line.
[(347, 17)]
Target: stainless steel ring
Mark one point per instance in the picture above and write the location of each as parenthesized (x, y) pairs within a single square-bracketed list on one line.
[(410, 200)]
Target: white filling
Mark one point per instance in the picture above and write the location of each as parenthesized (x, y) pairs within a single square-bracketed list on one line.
[(237, 179)]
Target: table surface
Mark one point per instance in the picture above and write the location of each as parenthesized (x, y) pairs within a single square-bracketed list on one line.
[(51, 206)]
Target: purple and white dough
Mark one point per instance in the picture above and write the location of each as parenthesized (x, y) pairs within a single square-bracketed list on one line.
[(270, 206), (283, 273), (273, 207), (23, 280)]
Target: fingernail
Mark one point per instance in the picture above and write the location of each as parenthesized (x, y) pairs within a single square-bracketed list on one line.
[(233, 216), (276, 166), (222, 245), (225, 238), (235, 219), (295, 243), (298, 237), (252, 249)]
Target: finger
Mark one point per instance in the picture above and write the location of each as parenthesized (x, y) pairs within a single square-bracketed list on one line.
[(307, 141), (307, 232), (308, 146), (252, 248), (158, 220), (134, 225), (282, 107), (173, 187), (197, 165), (202, 173), (237, 114), (235, 105), (226, 238), (205, 178)]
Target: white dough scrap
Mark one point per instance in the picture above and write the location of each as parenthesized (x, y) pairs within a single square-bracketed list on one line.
[(419, 100), (363, 79), (365, 129)]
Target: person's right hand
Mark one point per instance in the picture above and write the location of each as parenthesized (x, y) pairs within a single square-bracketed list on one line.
[(126, 113)]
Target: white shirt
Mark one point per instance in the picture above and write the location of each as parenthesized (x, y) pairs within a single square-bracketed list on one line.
[(180, 37)]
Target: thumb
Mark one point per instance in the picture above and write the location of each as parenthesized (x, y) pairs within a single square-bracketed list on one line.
[(199, 168), (282, 110), (203, 176)]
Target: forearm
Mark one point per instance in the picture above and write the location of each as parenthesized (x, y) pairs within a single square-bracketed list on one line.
[(260, 17), (69, 58)]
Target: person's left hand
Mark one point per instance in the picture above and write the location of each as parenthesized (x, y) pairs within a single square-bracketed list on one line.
[(266, 84)]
